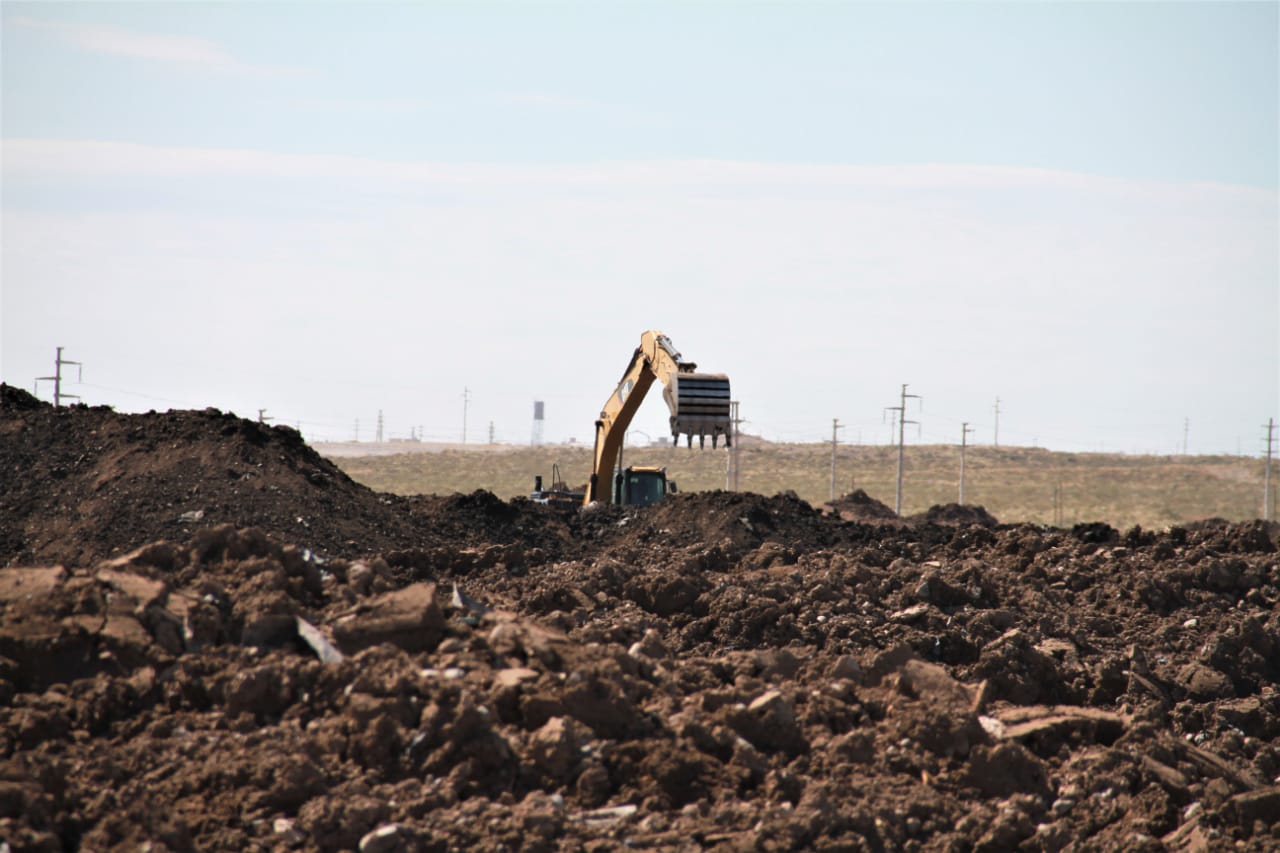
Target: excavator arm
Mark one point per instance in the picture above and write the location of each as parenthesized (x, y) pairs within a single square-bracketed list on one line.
[(699, 405)]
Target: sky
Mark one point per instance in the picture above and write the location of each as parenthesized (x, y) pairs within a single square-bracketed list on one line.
[(1058, 223)]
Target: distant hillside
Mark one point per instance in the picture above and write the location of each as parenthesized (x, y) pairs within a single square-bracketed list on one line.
[(1012, 483)]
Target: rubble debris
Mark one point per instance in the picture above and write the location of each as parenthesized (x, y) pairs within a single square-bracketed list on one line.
[(722, 669)]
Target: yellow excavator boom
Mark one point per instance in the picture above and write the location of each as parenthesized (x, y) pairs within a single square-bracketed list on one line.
[(699, 404)]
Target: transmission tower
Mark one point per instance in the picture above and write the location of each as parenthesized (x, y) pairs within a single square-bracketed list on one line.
[(56, 379), (377, 436), (997, 411)]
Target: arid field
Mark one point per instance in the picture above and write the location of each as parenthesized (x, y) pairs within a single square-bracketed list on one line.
[(1015, 484)]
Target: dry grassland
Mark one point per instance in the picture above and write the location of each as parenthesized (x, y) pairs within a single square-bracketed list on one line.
[(1014, 484)]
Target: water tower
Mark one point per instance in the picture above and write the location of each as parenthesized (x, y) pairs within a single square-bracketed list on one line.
[(537, 423)]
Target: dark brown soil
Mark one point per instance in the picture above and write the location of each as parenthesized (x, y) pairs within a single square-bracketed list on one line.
[(859, 506), (310, 665)]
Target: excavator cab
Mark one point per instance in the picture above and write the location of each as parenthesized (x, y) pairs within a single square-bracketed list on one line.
[(639, 485)]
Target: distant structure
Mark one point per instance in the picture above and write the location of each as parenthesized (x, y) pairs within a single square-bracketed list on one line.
[(56, 379), (536, 441)]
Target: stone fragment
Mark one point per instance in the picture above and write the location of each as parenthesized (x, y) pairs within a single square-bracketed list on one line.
[(1262, 804), (556, 748), (1007, 768), (514, 676), (19, 583), (650, 646), (461, 601), (409, 618), (319, 643), (1205, 683), (768, 723), (847, 666), (388, 838), (610, 814)]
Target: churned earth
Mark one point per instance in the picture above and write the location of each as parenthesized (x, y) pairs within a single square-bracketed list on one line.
[(212, 639)]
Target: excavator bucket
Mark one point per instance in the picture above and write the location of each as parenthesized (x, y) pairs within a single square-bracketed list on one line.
[(699, 404)]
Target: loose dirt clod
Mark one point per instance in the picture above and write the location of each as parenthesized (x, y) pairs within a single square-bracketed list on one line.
[(210, 638)]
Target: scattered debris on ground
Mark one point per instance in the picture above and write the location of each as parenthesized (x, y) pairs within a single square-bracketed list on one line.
[(210, 638)]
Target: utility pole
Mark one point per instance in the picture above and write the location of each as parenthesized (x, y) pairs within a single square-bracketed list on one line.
[(378, 434), (1186, 431), (732, 470), (835, 425), (997, 409), (262, 416), (901, 410), (357, 430), (56, 379), (466, 398), (1266, 477), (965, 429)]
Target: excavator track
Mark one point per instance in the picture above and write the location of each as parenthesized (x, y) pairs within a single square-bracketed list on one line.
[(699, 404)]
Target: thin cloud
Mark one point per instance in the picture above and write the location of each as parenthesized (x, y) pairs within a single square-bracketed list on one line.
[(369, 106), (561, 103), (29, 157), (548, 99), (170, 49)]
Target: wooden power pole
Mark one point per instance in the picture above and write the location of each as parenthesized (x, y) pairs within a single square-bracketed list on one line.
[(835, 425), (1266, 477), (965, 429), (901, 409), (56, 379)]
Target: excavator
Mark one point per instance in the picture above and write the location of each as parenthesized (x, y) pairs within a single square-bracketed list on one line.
[(699, 406)]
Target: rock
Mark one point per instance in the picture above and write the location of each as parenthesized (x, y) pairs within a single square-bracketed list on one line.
[(261, 691), (1007, 768), (847, 666), (650, 646), (768, 723), (1204, 682), (556, 748), (409, 618), (319, 643), (949, 724), (20, 583), (1262, 804), (388, 838)]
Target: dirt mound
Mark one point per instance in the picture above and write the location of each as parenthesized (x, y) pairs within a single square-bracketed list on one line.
[(720, 671), (955, 514), (860, 506), (80, 484)]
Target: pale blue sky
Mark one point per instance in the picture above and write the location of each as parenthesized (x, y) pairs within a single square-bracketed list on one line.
[(327, 209)]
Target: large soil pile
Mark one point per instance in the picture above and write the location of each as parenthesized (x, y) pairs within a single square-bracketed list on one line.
[(186, 665)]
